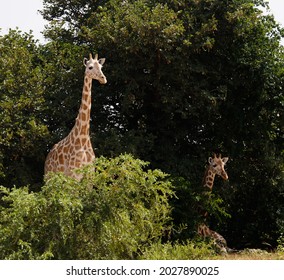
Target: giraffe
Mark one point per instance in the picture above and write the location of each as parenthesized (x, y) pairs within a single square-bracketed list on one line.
[(75, 150), (215, 167), (218, 240)]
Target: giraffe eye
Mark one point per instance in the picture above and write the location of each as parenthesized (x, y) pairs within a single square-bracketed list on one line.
[(91, 67), (214, 165)]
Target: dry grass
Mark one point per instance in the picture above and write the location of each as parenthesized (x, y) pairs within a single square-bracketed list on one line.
[(253, 254)]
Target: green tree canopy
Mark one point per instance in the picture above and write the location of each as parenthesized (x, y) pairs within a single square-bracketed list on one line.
[(187, 78), (22, 124)]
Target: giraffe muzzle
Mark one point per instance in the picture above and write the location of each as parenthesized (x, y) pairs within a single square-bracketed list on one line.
[(224, 176), (103, 80)]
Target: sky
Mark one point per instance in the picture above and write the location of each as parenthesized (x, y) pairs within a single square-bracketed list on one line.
[(24, 15)]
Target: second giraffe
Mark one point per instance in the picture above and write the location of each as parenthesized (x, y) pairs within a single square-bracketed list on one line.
[(216, 167)]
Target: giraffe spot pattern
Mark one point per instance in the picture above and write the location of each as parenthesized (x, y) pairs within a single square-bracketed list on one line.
[(75, 150)]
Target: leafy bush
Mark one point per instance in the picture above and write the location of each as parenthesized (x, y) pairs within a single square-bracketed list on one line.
[(115, 212), (191, 203)]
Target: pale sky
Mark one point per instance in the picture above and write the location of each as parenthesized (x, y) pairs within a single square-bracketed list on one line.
[(24, 15)]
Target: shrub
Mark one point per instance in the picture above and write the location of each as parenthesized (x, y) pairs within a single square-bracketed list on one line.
[(115, 212), (189, 250)]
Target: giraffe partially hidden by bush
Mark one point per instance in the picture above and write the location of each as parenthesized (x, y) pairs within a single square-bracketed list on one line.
[(215, 167), (76, 150)]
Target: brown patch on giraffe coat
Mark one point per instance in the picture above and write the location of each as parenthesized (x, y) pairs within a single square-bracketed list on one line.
[(83, 117), (65, 149), (84, 129), (54, 156), (209, 181), (86, 98), (61, 159), (71, 149), (85, 107), (84, 140), (77, 143), (89, 156)]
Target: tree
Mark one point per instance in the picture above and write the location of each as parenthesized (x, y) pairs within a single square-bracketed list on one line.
[(62, 65), (23, 131), (187, 78)]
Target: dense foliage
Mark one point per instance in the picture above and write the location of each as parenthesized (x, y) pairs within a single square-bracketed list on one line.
[(22, 145), (115, 212), (185, 79)]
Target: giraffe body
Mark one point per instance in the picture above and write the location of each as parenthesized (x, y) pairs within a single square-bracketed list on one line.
[(218, 240), (216, 167), (75, 150)]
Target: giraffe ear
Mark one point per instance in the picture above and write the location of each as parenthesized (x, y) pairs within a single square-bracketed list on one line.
[(102, 61), (210, 160), (85, 61), (225, 159)]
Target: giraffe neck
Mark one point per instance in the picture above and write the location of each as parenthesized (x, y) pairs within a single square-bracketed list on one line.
[(208, 179), (82, 125)]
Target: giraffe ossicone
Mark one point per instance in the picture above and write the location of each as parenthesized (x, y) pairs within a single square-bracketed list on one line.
[(75, 150)]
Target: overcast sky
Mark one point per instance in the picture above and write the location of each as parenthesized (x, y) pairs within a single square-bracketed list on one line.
[(24, 15)]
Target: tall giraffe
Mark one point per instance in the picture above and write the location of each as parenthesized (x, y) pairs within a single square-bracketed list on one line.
[(75, 150), (216, 167)]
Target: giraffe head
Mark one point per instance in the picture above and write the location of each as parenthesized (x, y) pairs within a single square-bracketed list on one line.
[(217, 164), (94, 68)]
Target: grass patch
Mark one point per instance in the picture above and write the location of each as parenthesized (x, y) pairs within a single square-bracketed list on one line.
[(252, 254)]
